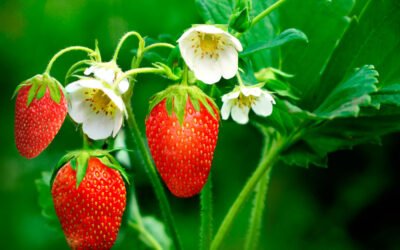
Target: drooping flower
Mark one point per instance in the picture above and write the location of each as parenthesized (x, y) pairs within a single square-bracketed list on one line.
[(210, 53), (95, 105), (108, 72), (238, 103)]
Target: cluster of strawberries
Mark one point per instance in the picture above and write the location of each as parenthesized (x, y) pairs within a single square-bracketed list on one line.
[(182, 130)]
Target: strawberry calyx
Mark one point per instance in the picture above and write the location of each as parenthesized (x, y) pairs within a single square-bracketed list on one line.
[(79, 162), (39, 85), (176, 98)]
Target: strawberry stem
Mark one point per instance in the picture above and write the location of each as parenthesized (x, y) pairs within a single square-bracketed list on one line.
[(239, 78), (134, 72), (155, 45), (123, 38), (206, 229), (154, 178), (270, 154), (61, 52), (257, 211), (185, 76), (263, 14)]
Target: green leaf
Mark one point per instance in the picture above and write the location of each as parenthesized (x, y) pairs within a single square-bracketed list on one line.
[(345, 100), (283, 38), (302, 155), (281, 88), (46, 202), (324, 22), (388, 95), (157, 230), (83, 160), (372, 38)]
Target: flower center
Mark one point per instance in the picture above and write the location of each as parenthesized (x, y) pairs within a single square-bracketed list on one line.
[(243, 101), (207, 45), (100, 102)]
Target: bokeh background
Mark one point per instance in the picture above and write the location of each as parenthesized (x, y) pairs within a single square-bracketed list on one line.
[(351, 205)]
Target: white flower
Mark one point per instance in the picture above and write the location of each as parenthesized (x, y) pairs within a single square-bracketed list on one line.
[(241, 99), (97, 107), (210, 53), (108, 72)]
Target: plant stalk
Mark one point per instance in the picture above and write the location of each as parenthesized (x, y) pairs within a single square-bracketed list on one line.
[(263, 14), (257, 211), (270, 154), (206, 229), (61, 52)]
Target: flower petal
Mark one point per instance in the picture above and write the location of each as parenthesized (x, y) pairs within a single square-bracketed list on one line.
[(233, 41), (240, 115), (230, 96), (263, 106), (98, 127), (228, 61), (207, 70), (254, 91), (226, 109), (102, 73), (210, 29), (123, 86), (117, 123)]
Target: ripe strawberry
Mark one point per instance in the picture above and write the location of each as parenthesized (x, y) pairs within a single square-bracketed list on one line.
[(183, 145), (90, 215), (38, 115)]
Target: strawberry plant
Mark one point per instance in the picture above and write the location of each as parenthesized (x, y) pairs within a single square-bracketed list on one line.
[(311, 77)]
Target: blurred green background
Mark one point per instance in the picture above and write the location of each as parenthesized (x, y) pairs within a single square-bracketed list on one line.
[(350, 205)]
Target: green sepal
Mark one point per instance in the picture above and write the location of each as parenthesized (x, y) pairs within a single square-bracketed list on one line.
[(39, 85), (20, 86), (35, 82), (82, 159), (176, 97), (41, 91), (79, 160), (74, 163), (55, 93), (111, 162)]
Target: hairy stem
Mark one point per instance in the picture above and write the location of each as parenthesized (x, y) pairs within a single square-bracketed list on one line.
[(270, 154), (123, 38), (61, 52), (266, 12), (263, 14), (154, 179), (134, 72), (155, 45), (257, 211), (206, 231)]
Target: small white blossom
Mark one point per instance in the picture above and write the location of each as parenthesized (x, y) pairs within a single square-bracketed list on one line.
[(210, 53), (108, 72), (238, 103), (97, 107)]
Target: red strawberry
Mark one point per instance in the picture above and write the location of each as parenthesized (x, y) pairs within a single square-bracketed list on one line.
[(183, 147), (91, 214), (38, 117)]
